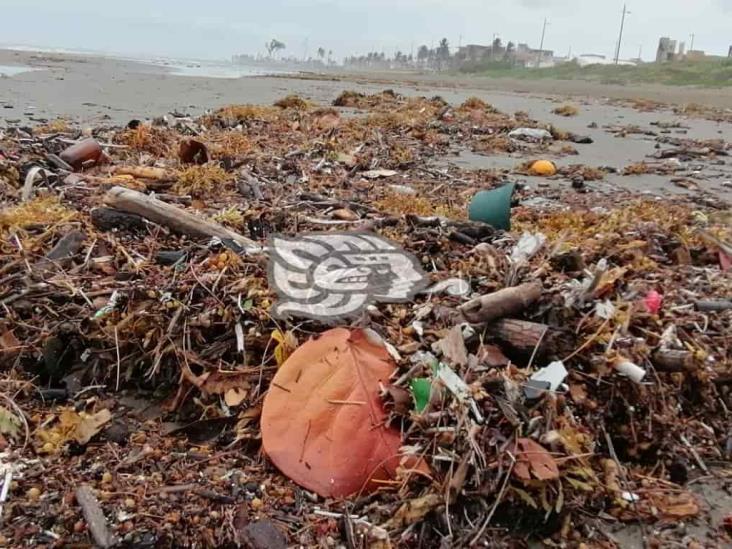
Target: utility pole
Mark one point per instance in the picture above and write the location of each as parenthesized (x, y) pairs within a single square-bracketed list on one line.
[(620, 38), (640, 52), (541, 45)]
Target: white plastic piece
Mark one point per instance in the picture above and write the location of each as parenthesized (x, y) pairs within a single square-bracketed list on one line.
[(546, 380)]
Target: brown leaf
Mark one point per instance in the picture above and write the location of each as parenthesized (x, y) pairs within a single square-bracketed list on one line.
[(413, 511), (492, 355), (534, 462), (218, 383), (8, 341), (322, 419), (453, 348)]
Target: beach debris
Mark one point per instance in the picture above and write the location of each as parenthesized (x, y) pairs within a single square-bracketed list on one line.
[(338, 275), (322, 419), (533, 462), (421, 392), (545, 168), (493, 207), (501, 304), (30, 180), (83, 154), (534, 135), (192, 151), (653, 302), (566, 110), (262, 534), (632, 371), (456, 287), (162, 213), (378, 174), (527, 247), (94, 517), (546, 380)]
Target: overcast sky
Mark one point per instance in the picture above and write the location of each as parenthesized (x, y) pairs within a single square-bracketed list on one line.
[(220, 28)]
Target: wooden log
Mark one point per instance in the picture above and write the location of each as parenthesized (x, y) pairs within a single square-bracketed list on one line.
[(670, 360), (175, 218), (522, 335), (94, 517), (500, 304)]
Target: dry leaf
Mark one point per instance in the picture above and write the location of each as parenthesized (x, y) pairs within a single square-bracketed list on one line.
[(534, 462), (235, 396), (286, 344), (9, 423), (90, 425), (218, 383), (413, 511), (452, 347), (322, 419), (8, 341)]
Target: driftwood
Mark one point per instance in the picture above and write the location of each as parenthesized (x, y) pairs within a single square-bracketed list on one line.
[(177, 219), (94, 517), (670, 360), (500, 304), (521, 335), (145, 172)]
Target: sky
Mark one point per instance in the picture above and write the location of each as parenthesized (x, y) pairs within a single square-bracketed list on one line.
[(217, 29)]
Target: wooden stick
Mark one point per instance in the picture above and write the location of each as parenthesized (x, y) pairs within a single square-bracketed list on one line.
[(500, 304), (94, 517), (520, 334), (175, 218)]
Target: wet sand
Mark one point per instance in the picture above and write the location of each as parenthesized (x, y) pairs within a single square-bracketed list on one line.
[(96, 90)]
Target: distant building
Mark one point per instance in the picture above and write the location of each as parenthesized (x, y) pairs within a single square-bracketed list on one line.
[(730, 52), (530, 57), (474, 53), (666, 50)]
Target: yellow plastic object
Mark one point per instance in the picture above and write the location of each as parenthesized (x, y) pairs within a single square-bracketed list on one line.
[(544, 168)]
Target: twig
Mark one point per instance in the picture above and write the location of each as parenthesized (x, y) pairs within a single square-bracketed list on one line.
[(694, 453), (116, 345), (6, 488), (497, 502), (94, 517)]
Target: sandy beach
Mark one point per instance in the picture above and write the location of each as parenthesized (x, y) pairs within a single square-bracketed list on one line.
[(91, 90)]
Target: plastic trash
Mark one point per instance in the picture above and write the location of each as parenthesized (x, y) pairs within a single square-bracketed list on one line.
[(83, 153), (545, 380), (493, 207), (545, 168), (531, 134)]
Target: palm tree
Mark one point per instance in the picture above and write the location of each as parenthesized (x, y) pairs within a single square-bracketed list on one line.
[(274, 46), (321, 52)]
